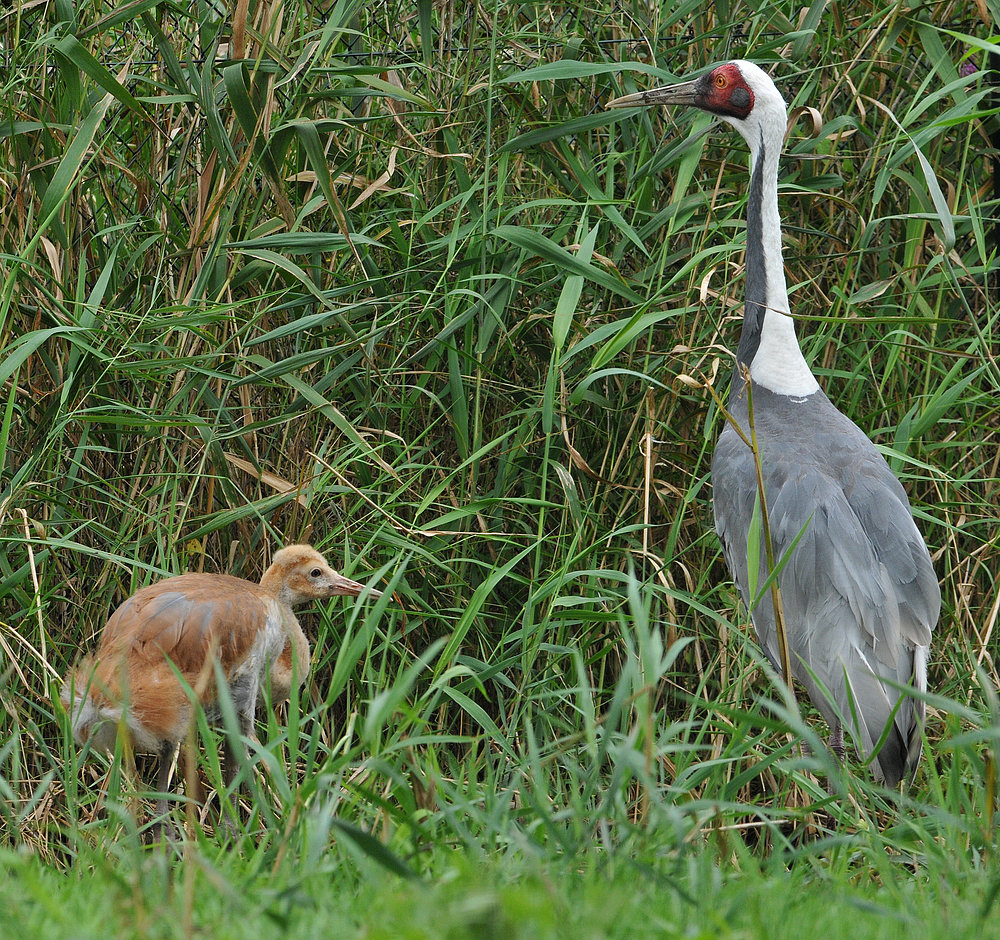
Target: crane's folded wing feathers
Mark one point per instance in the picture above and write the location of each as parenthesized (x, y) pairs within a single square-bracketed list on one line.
[(188, 618), (858, 590)]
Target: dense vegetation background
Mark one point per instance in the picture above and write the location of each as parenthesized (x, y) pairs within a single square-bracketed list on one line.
[(385, 276)]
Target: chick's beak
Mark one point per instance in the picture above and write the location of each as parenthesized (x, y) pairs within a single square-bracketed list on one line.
[(341, 585)]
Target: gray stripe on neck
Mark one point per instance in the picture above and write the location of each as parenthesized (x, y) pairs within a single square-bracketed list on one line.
[(755, 275)]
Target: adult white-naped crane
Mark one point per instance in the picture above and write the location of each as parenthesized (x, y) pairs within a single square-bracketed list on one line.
[(159, 651), (858, 591)]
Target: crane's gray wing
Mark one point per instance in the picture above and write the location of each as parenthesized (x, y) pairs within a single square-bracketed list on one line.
[(858, 590)]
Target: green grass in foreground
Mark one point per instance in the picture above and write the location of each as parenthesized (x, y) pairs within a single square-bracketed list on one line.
[(689, 895), (384, 276)]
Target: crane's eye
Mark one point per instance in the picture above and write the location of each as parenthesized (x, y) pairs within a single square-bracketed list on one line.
[(315, 573), (720, 80)]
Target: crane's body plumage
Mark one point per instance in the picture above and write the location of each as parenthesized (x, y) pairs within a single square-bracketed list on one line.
[(859, 594), (160, 652), (176, 627)]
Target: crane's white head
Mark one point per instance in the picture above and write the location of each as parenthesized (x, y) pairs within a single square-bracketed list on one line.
[(743, 95), (739, 92)]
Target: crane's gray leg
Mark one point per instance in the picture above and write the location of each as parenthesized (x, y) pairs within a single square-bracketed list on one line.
[(839, 752), (162, 827), (236, 753), (837, 741)]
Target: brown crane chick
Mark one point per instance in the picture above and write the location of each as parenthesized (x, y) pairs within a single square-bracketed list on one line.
[(164, 641)]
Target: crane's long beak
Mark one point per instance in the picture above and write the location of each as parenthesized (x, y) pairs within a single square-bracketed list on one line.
[(684, 93), (342, 585)]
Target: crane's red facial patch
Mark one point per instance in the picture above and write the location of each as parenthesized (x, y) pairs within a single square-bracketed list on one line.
[(725, 91)]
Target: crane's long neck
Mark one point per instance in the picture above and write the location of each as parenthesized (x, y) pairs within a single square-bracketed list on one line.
[(768, 346)]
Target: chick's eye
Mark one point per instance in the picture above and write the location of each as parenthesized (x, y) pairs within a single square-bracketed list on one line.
[(315, 573)]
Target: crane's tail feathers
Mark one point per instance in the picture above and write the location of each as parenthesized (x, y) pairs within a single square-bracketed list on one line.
[(884, 721), (898, 726), (915, 744)]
